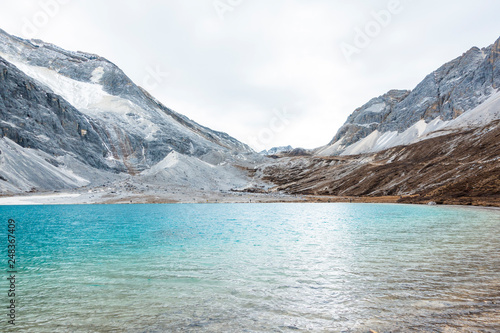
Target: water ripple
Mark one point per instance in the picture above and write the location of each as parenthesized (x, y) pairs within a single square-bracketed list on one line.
[(257, 268)]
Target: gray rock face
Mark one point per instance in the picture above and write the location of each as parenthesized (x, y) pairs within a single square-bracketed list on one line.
[(34, 118), (369, 117), (448, 92), (34, 114)]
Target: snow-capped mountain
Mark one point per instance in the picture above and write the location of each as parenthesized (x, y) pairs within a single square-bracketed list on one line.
[(69, 118), (443, 101), (277, 150)]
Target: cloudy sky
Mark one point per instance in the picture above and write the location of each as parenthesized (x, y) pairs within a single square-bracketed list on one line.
[(268, 72)]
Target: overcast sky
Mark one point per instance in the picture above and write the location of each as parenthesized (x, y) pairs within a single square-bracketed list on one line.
[(268, 72)]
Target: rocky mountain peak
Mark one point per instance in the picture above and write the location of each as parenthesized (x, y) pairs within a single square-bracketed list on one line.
[(450, 91), (80, 107)]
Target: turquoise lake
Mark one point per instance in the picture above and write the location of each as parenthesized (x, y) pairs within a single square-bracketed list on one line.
[(253, 268)]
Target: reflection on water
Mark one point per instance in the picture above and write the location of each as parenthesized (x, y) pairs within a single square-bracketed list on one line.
[(257, 268)]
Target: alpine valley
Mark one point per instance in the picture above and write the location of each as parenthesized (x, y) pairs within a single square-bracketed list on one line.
[(73, 124)]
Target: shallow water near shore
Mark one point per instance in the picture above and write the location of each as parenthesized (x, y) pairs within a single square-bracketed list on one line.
[(254, 268)]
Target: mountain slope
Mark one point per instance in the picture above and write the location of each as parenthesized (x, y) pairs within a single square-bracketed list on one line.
[(34, 118), (73, 104), (404, 117), (454, 168), (439, 142)]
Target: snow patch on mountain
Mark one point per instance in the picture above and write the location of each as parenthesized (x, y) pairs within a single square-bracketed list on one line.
[(376, 108), (97, 75), (79, 94), (482, 115), (92, 100), (378, 141)]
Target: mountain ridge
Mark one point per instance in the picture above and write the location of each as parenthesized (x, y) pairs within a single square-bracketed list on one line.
[(82, 66), (444, 94), (80, 105)]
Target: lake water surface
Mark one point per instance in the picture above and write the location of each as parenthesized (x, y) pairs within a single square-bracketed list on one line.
[(253, 268)]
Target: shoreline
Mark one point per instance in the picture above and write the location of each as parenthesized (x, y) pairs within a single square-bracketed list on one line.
[(105, 198)]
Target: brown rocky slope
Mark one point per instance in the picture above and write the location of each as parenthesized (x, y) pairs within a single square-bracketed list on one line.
[(455, 168)]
